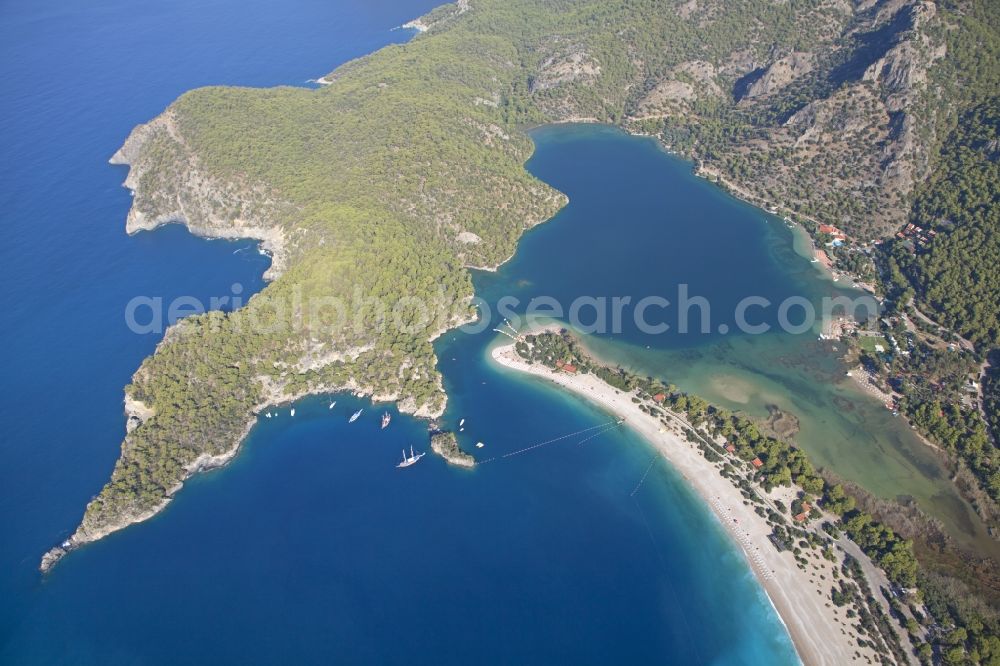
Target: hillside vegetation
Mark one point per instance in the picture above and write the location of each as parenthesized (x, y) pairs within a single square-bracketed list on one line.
[(937, 604), (386, 184)]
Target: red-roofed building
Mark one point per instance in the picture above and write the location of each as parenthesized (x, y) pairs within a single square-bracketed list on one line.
[(802, 517), (659, 397), (757, 462), (730, 448), (917, 234), (569, 367), (832, 230), (559, 363)]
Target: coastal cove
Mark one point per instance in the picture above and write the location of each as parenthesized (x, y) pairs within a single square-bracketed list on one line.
[(396, 333), (311, 529), (639, 223)]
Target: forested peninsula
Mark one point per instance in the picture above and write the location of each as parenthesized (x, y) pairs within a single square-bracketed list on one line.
[(405, 169)]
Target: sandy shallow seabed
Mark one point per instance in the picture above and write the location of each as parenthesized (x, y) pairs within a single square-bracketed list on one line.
[(819, 630)]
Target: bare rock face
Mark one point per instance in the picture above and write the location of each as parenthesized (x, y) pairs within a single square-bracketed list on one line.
[(467, 237), (573, 65), (169, 185), (688, 9), (738, 63), (895, 72), (885, 8), (669, 91), (701, 71), (902, 157), (50, 558), (837, 115), (901, 73), (901, 77), (136, 413), (564, 68), (865, 135), (780, 73), (685, 83)]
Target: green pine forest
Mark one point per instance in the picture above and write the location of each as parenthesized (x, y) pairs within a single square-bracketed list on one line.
[(406, 169), (377, 182)]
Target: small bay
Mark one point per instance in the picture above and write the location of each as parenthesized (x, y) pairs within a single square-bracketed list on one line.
[(311, 546), (639, 223)]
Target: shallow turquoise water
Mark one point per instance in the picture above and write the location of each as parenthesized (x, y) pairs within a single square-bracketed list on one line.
[(639, 224), (311, 546)]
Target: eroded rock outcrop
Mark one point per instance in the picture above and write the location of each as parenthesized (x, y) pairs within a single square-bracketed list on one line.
[(169, 184), (780, 73)]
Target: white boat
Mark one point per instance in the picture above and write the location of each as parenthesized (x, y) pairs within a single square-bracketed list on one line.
[(354, 416), (461, 423), (332, 404), (479, 445), (268, 414), (293, 411), (412, 459), (385, 420)]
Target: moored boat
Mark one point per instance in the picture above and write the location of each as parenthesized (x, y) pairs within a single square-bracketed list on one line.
[(412, 459), (354, 416), (385, 420)]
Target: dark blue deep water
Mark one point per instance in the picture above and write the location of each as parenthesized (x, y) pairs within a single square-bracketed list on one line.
[(311, 546)]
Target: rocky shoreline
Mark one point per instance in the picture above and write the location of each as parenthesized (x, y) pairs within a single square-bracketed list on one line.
[(198, 212), (445, 444), (137, 412), (206, 462)]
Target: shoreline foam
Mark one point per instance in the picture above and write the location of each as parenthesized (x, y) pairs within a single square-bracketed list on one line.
[(820, 632)]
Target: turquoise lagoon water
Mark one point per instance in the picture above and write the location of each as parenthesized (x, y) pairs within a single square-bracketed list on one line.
[(640, 224), (311, 546)]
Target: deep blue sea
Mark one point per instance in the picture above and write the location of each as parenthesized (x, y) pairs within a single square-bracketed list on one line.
[(311, 547)]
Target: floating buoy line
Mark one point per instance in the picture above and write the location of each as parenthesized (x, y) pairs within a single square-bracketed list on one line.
[(649, 468), (595, 431)]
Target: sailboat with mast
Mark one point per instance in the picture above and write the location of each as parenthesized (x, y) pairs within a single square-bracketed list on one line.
[(412, 459), (385, 420)]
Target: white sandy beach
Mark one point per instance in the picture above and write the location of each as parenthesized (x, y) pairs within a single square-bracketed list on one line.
[(820, 631)]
